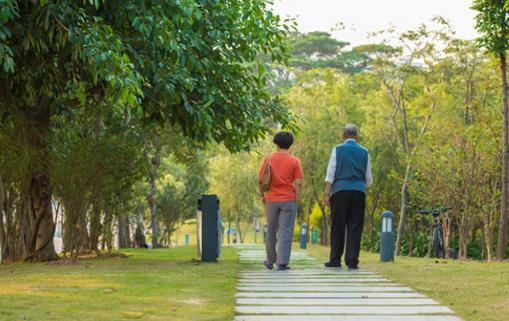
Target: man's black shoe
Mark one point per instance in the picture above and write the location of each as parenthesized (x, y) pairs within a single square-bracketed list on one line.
[(353, 267), (282, 267), (332, 265)]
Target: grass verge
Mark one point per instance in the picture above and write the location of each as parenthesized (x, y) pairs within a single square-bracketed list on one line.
[(476, 291), (148, 285)]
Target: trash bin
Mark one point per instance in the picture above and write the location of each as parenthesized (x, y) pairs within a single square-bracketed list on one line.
[(209, 223), (387, 237), (303, 235)]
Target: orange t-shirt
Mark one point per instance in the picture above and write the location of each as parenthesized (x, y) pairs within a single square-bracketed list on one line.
[(285, 169)]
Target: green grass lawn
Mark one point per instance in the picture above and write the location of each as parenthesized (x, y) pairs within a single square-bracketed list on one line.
[(148, 285), (476, 291)]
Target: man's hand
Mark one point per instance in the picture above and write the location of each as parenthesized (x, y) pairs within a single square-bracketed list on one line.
[(326, 193), (326, 199)]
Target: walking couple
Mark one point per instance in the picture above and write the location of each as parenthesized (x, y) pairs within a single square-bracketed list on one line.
[(348, 177)]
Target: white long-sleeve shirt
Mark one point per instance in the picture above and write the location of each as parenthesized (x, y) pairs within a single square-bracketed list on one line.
[(331, 168)]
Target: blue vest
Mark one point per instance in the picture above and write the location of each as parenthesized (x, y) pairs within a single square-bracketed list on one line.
[(351, 165)]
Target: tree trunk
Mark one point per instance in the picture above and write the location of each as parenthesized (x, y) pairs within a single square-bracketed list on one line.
[(502, 234), (463, 236), (488, 235), (374, 206), (447, 234), (325, 221), (41, 245), (122, 233), (483, 244), (3, 233), (9, 230), (239, 231), (42, 228), (229, 226), (84, 237), (156, 161), (308, 221), (107, 232), (411, 239), (430, 243), (325, 227), (67, 235), (95, 226), (403, 211)]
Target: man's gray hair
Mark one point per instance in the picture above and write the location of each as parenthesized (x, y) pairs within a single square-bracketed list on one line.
[(351, 130)]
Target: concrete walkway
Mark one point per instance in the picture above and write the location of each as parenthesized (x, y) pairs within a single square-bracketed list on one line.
[(310, 292)]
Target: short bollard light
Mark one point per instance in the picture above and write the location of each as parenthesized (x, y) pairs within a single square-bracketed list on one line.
[(314, 236), (387, 237), (303, 235), (186, 239)]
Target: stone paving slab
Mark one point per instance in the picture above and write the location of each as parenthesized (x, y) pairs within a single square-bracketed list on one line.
[(335, 302), (314, 280), (264, 272), (345, 318), (311, 292), (329, 295), (303, 285), (323, 288), (343, 310), (297, 276)]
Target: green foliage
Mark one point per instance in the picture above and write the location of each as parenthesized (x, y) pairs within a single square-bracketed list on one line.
[(492, 22), (160, 52), (319, 50), (179, 188), (234, 178), (86, 83)]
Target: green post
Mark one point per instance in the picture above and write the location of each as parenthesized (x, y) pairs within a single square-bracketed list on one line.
[(314, 236)]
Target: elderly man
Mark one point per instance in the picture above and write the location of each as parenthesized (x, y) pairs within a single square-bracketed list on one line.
[(348, 177)]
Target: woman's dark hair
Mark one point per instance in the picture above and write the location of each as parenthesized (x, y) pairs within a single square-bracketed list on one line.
[(283, 140)]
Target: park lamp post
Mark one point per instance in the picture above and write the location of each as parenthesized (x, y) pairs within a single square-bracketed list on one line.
[(303, 235), (387, 237)]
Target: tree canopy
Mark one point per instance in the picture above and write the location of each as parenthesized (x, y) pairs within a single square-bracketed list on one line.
[(82, 78)]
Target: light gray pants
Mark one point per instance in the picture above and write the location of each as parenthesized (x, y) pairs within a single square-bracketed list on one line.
[(280, 225)]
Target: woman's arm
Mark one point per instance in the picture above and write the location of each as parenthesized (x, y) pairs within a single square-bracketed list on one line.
[(298, 188)]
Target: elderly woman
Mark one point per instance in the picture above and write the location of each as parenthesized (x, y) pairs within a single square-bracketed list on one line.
[(285, 174)]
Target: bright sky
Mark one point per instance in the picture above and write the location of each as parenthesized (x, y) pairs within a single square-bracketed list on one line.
[(363, 16)]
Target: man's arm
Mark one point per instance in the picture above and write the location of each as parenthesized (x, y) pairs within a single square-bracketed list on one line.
[(369, 175), (329, 178)]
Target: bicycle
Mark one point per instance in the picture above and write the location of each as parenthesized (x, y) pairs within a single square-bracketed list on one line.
[(438, 239)]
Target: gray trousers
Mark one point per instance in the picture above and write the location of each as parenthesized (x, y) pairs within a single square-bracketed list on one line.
[(280, 225)]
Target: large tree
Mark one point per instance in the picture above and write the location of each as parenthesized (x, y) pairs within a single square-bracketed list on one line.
[(186, 64), (492, 22), (319, 49)]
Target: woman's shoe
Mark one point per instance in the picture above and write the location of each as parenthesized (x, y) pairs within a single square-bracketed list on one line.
[(268, 265)]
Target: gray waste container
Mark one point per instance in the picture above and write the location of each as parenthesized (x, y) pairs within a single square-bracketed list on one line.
[(209, 229)]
